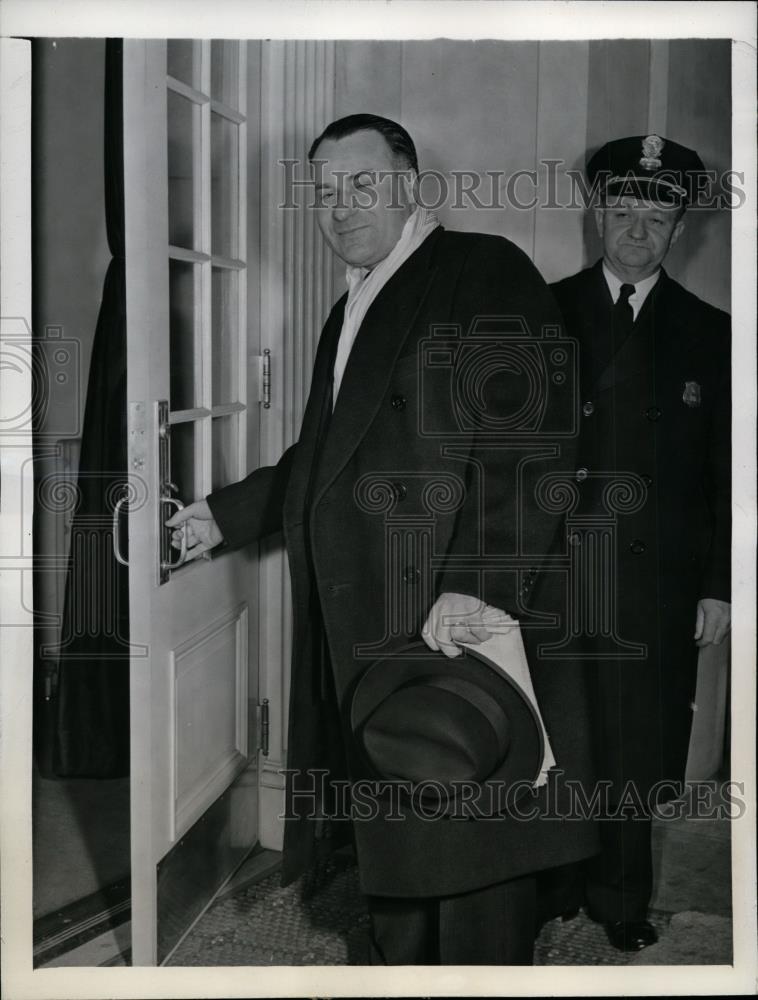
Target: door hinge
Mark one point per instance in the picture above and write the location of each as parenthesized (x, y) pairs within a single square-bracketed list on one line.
[(264, 382), (264, 727)]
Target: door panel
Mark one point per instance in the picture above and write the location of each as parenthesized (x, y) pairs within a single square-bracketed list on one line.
[(193, 705), (208, 742)]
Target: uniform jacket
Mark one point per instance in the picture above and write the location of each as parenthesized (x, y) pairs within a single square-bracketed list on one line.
[(656, 419), (367, 496)]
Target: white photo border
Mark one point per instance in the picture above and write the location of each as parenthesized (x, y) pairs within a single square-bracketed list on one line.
[(418, 19)]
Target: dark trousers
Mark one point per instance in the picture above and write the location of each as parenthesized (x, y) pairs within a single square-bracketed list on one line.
[(619, 880), (490, 926), (616, 884)]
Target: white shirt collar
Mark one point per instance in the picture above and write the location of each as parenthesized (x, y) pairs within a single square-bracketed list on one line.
[(641, 288)]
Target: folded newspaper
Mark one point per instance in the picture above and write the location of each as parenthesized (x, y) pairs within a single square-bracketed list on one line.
[(505, 647)]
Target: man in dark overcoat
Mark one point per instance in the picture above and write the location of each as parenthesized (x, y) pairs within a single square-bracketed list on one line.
[(654, 463), (387, 436)]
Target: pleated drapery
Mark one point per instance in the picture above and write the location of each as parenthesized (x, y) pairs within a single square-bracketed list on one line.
[(91, 737)]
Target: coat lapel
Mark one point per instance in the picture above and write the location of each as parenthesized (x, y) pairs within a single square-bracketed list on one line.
[(315, 419), (377, 345)]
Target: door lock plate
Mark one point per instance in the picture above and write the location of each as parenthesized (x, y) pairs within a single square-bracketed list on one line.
[(137, 436)]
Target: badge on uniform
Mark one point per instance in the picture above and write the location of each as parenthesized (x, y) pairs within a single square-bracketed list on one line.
[(691, 394)]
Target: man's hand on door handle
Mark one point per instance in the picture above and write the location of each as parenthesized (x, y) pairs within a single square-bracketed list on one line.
[(202, 531)]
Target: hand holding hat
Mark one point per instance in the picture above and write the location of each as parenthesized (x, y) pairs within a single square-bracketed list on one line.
[(457, 621), (426, 718), (454, 619)]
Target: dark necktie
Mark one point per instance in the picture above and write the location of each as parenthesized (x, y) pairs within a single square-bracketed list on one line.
[(623, 316)]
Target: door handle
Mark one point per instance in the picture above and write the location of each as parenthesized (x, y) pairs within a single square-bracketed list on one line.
[(166, 564), (116, 547), (265, 391)]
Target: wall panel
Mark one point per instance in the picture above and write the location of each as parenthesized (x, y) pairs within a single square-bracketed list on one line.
[(619, 93), (472, 106), (699, 116), (368, 78), (558, 247)]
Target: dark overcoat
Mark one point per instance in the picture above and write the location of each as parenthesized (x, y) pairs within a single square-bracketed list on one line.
[(381, 502), (656, 420)]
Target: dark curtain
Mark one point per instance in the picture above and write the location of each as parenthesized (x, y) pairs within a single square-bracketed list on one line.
[(91, 736)]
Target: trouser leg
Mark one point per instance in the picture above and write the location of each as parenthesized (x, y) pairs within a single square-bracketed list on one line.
[(560, 890), (490, 926), (403, 931), (620, 878)]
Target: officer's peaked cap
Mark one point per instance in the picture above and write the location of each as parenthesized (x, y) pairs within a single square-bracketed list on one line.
[(647, 167)]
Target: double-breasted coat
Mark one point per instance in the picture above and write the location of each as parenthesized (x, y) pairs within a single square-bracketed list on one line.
[(656, 421), (377, 500)]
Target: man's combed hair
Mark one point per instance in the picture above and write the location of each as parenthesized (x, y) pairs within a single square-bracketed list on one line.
[(394, 135)]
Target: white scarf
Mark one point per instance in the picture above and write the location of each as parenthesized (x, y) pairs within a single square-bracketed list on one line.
[(364, 285)]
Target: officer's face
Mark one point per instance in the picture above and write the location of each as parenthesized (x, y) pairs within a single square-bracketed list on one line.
[(362, 197), (637, 236)]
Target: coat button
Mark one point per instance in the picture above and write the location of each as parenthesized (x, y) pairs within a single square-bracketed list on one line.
[(647, 480), (637, 546), (581, 474), (588, 409), (400, 490), (398, 402), (653, 413), (411, 575)]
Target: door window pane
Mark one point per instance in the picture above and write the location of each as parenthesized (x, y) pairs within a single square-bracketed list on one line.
[(224, 451), (183, 461), (224, 336), (181, 291), (181, 61), (224, 186), (181, 122), (225, 72)]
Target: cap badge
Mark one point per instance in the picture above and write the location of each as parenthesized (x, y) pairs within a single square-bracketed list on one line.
[(691, 394), (652, 147)]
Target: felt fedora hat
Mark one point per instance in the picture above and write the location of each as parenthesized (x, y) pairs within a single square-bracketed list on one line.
[(423, 718)]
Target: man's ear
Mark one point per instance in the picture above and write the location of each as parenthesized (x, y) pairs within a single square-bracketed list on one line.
[(599, 220)]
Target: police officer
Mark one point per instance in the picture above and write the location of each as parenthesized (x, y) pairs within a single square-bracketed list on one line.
[(654, 460)]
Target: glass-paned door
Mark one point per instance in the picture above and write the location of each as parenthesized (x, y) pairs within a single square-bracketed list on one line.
[(194, 686), (206, 143)]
